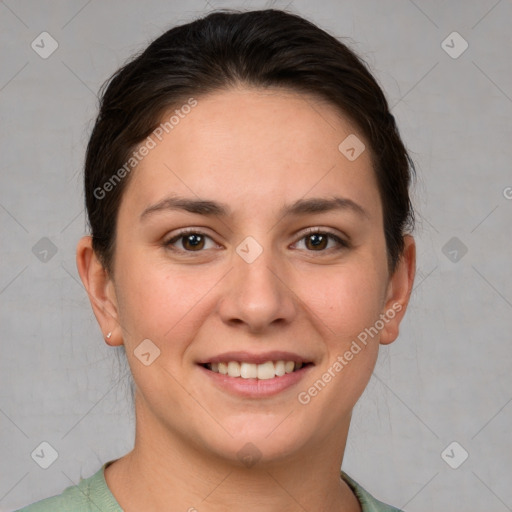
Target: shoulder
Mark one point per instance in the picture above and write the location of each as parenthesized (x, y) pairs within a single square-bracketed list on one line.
[(367, 501), (89, 495)]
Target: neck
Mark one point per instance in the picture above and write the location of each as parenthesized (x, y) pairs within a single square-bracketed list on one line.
[(165, 469)]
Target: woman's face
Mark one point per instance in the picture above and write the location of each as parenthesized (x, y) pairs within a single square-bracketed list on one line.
[(248, 279)]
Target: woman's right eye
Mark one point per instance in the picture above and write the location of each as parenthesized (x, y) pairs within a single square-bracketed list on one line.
[(191, 241)]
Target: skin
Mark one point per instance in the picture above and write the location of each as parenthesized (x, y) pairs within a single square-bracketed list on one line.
[(255, 150)]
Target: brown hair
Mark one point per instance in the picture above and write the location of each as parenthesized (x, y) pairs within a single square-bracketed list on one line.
[(263, 48)]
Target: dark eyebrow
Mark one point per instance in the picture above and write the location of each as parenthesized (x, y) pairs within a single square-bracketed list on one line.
[(198, 206), (215, 209), (320, 205)]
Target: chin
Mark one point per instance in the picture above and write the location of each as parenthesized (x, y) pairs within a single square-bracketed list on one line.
[(263, 440)]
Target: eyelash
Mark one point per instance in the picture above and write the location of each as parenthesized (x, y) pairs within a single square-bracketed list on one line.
[(342, 244)]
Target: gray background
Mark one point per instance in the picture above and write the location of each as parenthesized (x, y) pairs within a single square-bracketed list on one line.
[(447, 378)]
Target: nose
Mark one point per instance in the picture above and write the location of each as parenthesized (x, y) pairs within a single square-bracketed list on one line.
[(257, 295)]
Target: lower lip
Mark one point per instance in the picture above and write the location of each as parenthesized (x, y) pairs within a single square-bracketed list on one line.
[(256, 388)]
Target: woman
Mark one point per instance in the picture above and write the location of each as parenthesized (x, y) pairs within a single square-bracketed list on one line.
[(247, 192)]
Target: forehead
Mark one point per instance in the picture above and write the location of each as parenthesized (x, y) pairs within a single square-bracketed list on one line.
[(254, 146)]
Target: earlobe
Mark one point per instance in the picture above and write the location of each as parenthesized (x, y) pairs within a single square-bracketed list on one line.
[(100, 289), (399, 291)]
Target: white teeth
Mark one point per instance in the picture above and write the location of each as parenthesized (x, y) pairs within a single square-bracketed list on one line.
[(234, 369), (280, 368), (267, 370), (248, 371), (223, 368)]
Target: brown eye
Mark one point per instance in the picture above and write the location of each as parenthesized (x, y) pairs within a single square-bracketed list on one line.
[(191, 241), (317, 241)]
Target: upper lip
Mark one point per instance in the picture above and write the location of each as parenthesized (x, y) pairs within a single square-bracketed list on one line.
[(247, 357)]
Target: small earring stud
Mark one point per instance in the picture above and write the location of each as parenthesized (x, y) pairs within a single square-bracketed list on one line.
[(109, 335)]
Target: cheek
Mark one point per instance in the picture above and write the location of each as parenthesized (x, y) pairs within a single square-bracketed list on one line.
[(158, 302), (347, 303), (346, 300)]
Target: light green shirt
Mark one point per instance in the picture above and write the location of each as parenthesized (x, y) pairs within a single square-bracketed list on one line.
[(93, 495)]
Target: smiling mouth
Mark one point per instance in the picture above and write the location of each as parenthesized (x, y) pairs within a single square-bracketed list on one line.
[(264, 371)]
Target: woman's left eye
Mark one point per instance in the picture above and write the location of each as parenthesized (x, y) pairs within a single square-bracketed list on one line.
[(316, 240), (319, 240)]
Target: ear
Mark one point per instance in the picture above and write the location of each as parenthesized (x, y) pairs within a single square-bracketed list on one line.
[(399, 291), (100, 289)]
